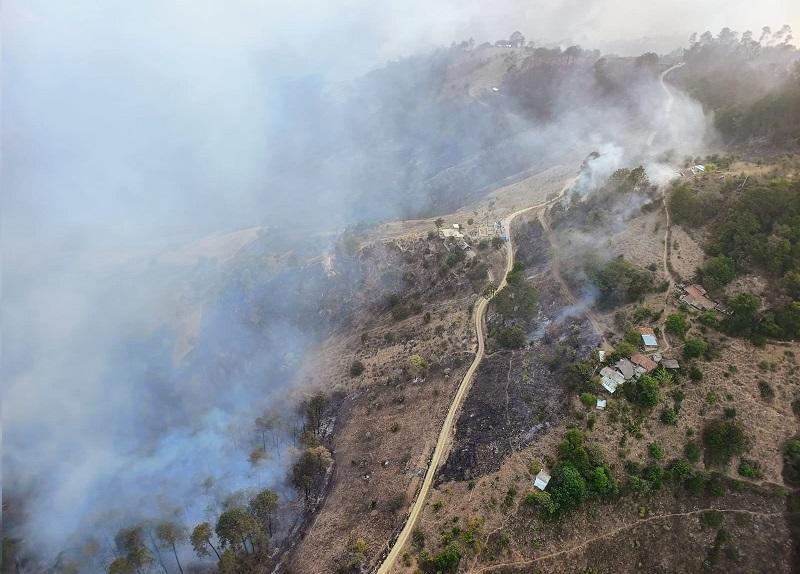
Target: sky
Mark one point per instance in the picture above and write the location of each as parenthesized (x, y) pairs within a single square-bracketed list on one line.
[(129, 125)]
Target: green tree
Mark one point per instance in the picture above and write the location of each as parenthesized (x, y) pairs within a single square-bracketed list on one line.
[(263, 506), (744, 318), (309, 470), (718, 272), (569, 490), (723, 439), (694, 347), (201, 541), (130, 543), (643, 391), (677, 324), (169, 535), (121, 566), (236, 527), (315, 411), (589, 400)]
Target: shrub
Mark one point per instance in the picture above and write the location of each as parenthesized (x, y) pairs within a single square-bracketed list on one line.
[(765, 390), (749, 468), (510, 337), (711, 519), (669, 416), (791, 461), (694, 347), (447, 560), (679, 468), (718, 272), (677, 324), (569, 489), (692, 452), (541, 500), (589, 400), (655, 451), (642, 392), (356, 368), (723, 439), (695, 374)]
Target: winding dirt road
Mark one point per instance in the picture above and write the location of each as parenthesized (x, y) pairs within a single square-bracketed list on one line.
[(445, 435), (443, 442)]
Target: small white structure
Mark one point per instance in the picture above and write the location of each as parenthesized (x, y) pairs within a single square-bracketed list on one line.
[(541, 480), (699, 169), (445, 233), (601, 356), (610, 379), (601, 404), (649, 341)]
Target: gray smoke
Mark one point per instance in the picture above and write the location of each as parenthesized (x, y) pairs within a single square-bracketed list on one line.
[(137, 352)]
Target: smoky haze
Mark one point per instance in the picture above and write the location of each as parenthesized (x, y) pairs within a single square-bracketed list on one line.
[(133, 129)]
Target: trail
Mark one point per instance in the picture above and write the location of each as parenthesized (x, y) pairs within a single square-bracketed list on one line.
[(668, 231), (610, 533), (443, 442)]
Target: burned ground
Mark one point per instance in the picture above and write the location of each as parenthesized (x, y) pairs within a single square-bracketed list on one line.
[(518, 394)]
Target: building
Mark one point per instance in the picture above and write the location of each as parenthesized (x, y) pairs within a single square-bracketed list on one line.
[(625, 367), (541, 480), (649, 341), (695, 296), (601, 404), (610, 379), (444, 233), (670, 364), (643, 362)]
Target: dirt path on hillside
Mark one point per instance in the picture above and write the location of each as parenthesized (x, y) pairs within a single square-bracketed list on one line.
[(445, 435), (618, 530)]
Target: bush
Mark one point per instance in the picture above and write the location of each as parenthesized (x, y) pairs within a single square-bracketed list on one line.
[(510, 337), (677, 324), (765, 390), (694, 347), (541, 500), (620, 282), (569, 490), (718, 272), (447, 560), (669, 416), (642, 392), (695, 374), (679, 468), (692, 452), (791, 461), (655, 451), (722, 440), (749, 468), (589, 400), (356, 368)]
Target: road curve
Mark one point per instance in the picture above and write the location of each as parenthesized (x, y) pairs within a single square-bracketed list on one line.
[(668, 103), (443, 442)]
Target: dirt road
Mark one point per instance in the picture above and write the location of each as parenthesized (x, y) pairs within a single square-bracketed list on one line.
[(445, 435)]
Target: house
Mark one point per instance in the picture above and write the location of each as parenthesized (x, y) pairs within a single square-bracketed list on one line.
[(601, 356), (649, 341), (610, 379), (445, 233), (625, 367), (541, 480), (601, 404), (503, 44), (698, 169), (695, 296), (670, 364), (643, 362)]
